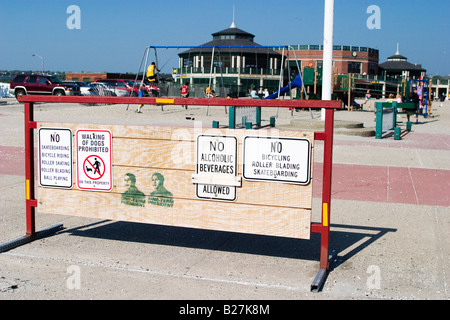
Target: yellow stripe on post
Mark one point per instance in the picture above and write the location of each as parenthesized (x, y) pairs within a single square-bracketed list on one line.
[(165, 101), (27, 192), (325, 214)]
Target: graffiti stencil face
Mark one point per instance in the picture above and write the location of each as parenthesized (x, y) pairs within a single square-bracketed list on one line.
[(132, 196), (161, 196)]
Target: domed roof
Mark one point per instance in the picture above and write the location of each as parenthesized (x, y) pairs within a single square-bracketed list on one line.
[(237, 41), (234, 31), (397, 57)]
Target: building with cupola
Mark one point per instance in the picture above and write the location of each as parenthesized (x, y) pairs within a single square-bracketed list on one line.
[(397, 68), (232, 63)]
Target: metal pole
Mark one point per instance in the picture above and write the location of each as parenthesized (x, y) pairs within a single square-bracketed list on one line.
[(211, 69), (210, 77), (30, 202), (42, 58), (326, 187), (324, 227), (281, 78), (139, 70), (327, 52)]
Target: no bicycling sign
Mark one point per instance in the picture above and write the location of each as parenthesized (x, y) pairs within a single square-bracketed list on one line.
[(94, 160)]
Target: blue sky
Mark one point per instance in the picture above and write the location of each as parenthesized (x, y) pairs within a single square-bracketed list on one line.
[(114, 34)]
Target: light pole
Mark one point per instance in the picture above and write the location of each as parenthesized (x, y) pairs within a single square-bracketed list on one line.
[(327, 71), (42, 58)]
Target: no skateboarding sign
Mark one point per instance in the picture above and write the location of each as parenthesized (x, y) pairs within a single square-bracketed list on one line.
[(94, 160)]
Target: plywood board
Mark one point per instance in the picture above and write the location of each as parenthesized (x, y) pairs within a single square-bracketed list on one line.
[(152, 183)]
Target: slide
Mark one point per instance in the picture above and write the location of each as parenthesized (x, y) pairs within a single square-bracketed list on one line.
[(296, 83)]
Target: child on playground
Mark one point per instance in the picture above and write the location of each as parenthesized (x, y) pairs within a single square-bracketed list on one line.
[(151, 77), (368, 96), (185, 92)]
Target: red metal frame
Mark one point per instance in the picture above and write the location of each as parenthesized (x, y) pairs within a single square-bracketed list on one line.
[(327, 136), (30, 201), (324, 227)]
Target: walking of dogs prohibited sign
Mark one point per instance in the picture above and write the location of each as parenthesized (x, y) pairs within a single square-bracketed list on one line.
[(94, 160)]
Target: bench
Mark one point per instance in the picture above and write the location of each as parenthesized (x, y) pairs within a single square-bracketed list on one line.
[(408, 108), (386, 117)]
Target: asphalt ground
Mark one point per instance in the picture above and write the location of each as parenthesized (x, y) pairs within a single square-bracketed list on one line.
[(390, 216)]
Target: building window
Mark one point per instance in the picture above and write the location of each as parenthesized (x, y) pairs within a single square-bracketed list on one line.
[(188, 62), (372, 68), (354, 67)]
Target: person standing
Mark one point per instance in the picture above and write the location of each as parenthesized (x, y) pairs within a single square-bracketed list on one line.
[(368, 97), (151, 77), (185, 92)]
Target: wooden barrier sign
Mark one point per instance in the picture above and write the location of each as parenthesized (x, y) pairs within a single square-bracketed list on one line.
[(158, 176)]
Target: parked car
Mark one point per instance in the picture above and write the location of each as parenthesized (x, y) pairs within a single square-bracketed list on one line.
[(41, 84), (118, 91), (101, 89), (146, 87), (84, 86), (122, 84)]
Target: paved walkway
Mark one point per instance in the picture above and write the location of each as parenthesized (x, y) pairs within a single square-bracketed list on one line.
[(390, 214)]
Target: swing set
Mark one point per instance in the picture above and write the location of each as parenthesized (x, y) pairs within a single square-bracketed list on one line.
[(217, 53), (216, 61)]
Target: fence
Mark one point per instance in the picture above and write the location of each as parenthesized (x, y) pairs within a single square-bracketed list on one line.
[(231, 186)]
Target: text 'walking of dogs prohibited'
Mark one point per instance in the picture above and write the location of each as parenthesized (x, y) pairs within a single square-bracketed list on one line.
[(94, 160)]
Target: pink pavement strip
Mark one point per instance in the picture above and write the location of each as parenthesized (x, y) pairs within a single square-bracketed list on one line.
[(387, 184), (405, 185), (12, 161)]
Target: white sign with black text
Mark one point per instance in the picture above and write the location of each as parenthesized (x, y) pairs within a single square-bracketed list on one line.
[(216, 166), (286, 160), (94, 160), (55, 158)]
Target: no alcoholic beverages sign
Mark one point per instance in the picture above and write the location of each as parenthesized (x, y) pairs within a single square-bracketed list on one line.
[(216, 161), (94, 160)]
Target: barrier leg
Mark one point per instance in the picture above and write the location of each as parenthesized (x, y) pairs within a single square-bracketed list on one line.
[(30, 201), (379, 120), (397, 133), (27, 239), (324, 227), (408, 126)]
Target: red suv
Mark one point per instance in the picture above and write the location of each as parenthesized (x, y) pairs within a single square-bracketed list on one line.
[(122, 84), (41, 84)]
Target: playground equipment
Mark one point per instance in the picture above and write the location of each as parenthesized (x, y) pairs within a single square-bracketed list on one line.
[(424, 95), (216, 53), (296, 83)]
